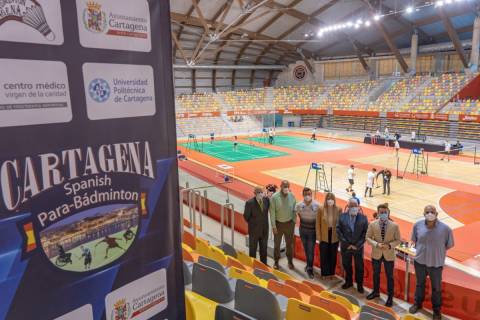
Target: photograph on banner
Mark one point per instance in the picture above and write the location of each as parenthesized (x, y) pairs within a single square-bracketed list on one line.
[(118, 91), (31, 21), (114, 24), (91, 239), (33, 92)]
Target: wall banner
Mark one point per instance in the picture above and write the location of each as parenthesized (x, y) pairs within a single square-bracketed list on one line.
[(89, 216)]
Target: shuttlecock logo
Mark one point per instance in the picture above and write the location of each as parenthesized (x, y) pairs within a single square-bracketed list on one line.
[(94, 18), (29, 12)]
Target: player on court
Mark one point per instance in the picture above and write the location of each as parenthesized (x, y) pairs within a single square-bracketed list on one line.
[(235, 143), (314, 135), (87, 257), (396, 147), (448, 148), (370, 182), (111, 244), (212, 137), (350, 177)]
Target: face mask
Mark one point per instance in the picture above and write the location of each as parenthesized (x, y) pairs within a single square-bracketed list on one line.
[(259, 196), (383, 216), (285, 190), (430, 217), (330, 202), (307, 198), (353, 211)]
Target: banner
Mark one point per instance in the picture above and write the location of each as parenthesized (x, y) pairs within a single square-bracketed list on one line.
[(89, 216)]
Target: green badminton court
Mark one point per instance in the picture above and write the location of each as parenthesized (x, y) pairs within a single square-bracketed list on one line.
[(223, 150), (303, 144)]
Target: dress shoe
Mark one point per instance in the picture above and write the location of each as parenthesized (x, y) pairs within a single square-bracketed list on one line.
[(373, 295), (346, 286), (360, 289), (389, 302), (276, 266), (414, 309), (311, 275), (437, 315), (291, 266)]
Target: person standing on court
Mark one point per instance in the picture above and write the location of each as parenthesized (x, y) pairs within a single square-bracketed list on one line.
[(370, 182), (396, 146), (283, 218), (351, 230), (432, 239), (387, 177), (326, 232), (313, 138), (384, 236), (351, 178), (256, 215), (270, 136), (307, 211)]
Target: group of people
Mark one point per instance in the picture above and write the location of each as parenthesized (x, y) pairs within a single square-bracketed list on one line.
[(348, 228), (372, 179)]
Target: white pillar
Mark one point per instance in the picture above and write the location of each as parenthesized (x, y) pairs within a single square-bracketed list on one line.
[(475, 45), (413, 54)]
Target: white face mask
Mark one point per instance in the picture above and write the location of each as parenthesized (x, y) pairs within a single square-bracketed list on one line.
[(353, 211), (430, 217), (330, 202), (259, 196), (307, 198), (285, 190)]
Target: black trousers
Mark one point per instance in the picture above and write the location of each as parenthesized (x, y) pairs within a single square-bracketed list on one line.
[(357, 256), (435, 275), (386, 186), (258, 241), (328, 256), (368, 189), (377, 269)]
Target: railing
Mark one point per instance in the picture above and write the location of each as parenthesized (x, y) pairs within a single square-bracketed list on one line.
[(228, 207)]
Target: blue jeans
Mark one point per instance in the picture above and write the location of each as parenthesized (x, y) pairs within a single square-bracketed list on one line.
[(309, 239), (435, 275)]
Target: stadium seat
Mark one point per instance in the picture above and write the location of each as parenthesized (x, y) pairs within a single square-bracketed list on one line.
[(218, 255), (378, 313), (282, 275), (260, 265), (189, 239), (225, 313), (228, 250), (369, 316), (333, 307), (244, 258), (202, 247), (202, 280), (317, 288), (283, 289), (303, 288), (256, 301), (236, 273), (347, 296), (259, 273), (204, 261), (188, 255), (299, 310), (383, 308), (340, 299), (199, 307), (232, 262), (411, 317), (187, 274)]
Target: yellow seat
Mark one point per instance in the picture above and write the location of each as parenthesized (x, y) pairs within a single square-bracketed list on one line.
[(218, 255), (244, 258), (342, 300), (244, 275), (199, 307), (202, 247), (410, 317), (297, 310), (187, 247), (282, 275)]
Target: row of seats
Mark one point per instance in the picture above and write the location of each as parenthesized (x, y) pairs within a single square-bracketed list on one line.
[(346, 96), (197, 102), (245, 288), (471, 107), (244, 99), (297, 97)]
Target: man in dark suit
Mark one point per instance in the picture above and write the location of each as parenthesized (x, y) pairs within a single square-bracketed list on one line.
[(256, 215), (351, 230)]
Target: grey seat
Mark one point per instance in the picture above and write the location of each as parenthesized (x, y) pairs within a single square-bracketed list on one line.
[(211, 284), (379, 313), (256, 301), (262, 274), (350, 298), (187, 275), (225, 313), (211, 263), (369, 316), (228, 250)]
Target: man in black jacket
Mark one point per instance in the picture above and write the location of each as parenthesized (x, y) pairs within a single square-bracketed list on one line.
[(387, 177), (352, 228), (256, 215)]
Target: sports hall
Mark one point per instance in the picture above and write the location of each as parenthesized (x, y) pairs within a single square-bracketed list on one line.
[(360, 73)]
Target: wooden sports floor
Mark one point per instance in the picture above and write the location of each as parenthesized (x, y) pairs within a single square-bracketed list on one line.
[(452, 186)]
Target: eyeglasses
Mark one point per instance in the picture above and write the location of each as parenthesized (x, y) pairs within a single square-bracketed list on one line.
[(427, 212)]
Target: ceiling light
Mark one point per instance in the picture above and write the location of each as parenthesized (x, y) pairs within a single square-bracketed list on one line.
[(357, 26), (349, 24), (319, 34), (448, 1), (367, 23), (359, 21), (409, 9), (376, 17), (438, 3)]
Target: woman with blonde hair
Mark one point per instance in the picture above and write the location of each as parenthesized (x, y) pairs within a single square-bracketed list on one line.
[(327, 235)]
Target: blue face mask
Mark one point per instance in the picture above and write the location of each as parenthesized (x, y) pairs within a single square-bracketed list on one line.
[(383, 217)]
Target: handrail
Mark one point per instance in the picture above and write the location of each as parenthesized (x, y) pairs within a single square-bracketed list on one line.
[(226, 207)]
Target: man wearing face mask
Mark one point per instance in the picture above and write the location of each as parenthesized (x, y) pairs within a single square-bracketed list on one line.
[(383, 235), (256, 215), (351, 230), (432, 239), (282, 218), (307, 211)]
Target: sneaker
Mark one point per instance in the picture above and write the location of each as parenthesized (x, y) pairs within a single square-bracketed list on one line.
[(414, 309), (347, 285)]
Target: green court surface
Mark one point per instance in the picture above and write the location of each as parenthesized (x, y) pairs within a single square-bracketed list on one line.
[(223, 150), (303, 144)]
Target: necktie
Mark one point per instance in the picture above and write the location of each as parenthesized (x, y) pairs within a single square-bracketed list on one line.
[(383, 227), (261, 204)]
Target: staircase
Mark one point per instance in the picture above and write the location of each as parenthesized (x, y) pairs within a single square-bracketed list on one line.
[(319, 100), (413, 95), (269, 96), (373, 94), (223, 104)]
